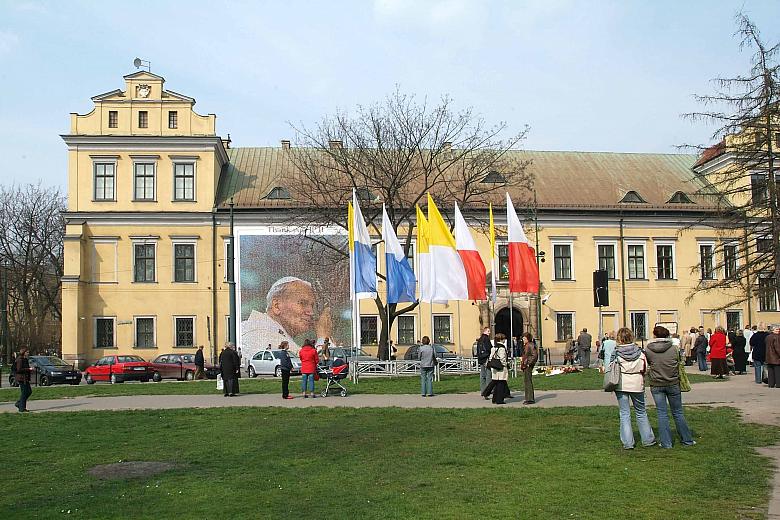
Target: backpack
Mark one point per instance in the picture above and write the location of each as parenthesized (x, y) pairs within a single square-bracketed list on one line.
[(483, 348)]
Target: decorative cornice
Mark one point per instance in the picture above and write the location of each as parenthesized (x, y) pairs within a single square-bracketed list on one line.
[(114, 143)]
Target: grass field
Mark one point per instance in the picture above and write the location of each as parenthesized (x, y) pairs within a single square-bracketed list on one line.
[(379, 464), (588, 380)]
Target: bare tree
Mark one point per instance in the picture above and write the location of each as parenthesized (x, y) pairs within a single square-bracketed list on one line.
[(745, 190), (31, 256), (395, 152)]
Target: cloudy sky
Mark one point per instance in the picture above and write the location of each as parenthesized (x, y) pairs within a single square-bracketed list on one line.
[(584, 75)]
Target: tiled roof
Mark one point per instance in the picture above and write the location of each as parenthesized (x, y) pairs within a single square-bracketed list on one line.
[(562, 179), (710, 153)]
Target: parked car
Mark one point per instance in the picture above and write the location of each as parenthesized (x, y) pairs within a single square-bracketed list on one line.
[(118, 369), (267, 362), (348, 354), (440, 350), (51, 370), (179, 366)]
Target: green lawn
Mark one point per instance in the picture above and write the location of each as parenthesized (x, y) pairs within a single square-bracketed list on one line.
[(380, 463), (588, 380)]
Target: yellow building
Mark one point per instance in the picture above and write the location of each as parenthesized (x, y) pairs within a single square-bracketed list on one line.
[(147, 228)]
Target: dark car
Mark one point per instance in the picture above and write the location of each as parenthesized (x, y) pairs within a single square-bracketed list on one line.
[(179, 366), (51, 370), (350, 354), (440, 350), (118, 369)]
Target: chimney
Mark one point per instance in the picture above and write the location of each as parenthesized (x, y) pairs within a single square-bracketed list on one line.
[(335, 144), (285, 144), (446, 146)]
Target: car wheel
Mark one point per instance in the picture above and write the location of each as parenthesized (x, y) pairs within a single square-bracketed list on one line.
[(156, 377), (189, 375), (251, 371), (89, 380), (343, 393), (277, 372), (114, 379), (44, 381)]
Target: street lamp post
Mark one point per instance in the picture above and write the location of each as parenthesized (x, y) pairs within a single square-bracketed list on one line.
[(232, 279)]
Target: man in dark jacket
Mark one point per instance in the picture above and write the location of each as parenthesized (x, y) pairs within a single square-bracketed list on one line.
[(22, 372), (773, 357), (285, 367), (758, 348), (584, 343), (483, 353), (700, 346), (229, 365), (200, 364)]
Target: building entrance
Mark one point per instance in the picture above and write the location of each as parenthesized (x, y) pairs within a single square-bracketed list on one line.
[(507, 321)]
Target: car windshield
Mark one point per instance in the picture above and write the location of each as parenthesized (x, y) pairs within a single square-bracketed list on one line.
[(49, 360), (440, 349), (130, 359)]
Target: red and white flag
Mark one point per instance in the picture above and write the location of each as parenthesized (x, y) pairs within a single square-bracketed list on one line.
[(523, 271), (472, 263)]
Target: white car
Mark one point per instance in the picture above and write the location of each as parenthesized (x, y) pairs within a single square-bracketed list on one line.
[(268, 361)]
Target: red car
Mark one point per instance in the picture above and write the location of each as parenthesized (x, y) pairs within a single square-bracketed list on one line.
[(178, 366), (118, 369)]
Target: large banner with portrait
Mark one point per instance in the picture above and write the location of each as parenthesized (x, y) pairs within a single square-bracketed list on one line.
[(291, 288)]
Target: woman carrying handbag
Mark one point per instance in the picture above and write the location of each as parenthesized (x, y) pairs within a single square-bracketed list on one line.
[(498, 370)]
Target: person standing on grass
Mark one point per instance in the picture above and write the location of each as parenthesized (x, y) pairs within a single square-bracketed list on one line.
[(718, 353), (584, 342), (285, 367), (229, 365), (773, 357), (309, 361), (700, 348), (427, 357), (200, 364), (608, 346), (498, 385), (527, 361), (483, 353), (632, 390), (663, 359), (23, 373)]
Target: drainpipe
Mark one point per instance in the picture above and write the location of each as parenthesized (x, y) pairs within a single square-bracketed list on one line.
[(623, 270), (213, 336), (747, 277)]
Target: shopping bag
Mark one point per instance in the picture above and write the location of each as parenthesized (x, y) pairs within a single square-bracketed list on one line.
[(220, 382), (612, 374), (685, 384)]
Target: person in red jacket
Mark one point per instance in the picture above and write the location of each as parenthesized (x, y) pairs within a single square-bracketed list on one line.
[(309, 360), (718, 353)]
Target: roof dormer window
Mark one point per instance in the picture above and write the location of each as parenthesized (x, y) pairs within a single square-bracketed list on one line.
[(494, 177), (632, 197), (278, 193), (680, 198)]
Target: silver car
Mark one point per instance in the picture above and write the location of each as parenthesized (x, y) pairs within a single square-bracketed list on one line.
[(268, 361)]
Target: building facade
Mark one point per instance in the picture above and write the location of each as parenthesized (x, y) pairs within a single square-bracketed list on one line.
[(147, 232)]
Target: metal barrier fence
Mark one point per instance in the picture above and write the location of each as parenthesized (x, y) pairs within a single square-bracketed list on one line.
[(453, 366)]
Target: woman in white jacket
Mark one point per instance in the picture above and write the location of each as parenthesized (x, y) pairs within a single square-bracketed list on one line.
[(632, 389)]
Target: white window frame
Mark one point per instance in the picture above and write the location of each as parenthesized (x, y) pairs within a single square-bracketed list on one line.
[(433, 328), (194, 164), (154, 331), (674, 258), (398, 329), (180, 242), (225, 243), (174, 342), (573, 324), (668, 311), (648, 329), (153, 162), (699, 244), (741, 318), (93, 260), (569, 243), (106, 161), (145, 243), (642, 243), (615, 250), (94, 331), (360, 323)]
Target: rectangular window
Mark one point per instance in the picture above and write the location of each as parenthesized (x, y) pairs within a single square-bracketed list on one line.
[(665, 259), (143, 119), (639, 324), (758, 188), (184, 262), (636, 261), (763, 245), (410, 256), (562, 255), (104, 181), (185, 332), (733, 320), (144, 181), (706, 261), (564, 325), (406, 331), (607, 260), (144, 263), (173, 119), (184, 181), (503, 262), (104, 333), (730, 261), (442, 329), (368, 330), (767, 294), (144, 332), (113, 119)]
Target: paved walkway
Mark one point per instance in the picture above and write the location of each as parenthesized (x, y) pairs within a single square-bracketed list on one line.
[(758, 404)]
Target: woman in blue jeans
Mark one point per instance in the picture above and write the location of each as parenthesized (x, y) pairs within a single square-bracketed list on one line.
[(663, 360), (632, 390)]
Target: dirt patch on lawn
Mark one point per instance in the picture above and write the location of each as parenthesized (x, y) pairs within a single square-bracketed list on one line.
[(130, 469)]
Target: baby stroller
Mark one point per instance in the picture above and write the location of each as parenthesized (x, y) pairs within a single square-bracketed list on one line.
[(339, 371)]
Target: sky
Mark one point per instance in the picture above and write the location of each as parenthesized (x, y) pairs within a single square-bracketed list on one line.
[(583, 75)]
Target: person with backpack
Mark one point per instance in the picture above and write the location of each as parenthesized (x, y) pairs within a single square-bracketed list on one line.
[(483, 353), (700, 347), (527, 361), (631, 389)]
